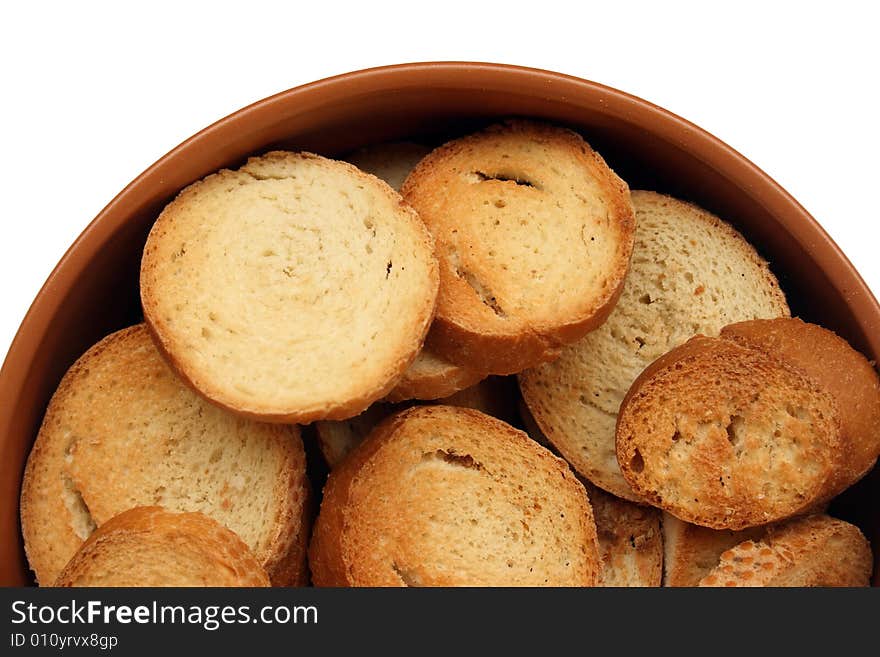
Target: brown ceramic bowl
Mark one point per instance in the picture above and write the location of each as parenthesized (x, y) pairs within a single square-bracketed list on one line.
[(94, 289)]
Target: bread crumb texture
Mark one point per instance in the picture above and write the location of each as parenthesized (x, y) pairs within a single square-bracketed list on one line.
[(294, 289), (728, 437), (445, 496), (123, 431)]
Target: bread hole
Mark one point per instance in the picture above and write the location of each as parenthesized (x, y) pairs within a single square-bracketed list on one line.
[(736, 430), (639, 341), (81, 520), (267, 175), (407, 577), (676, 436), (287, 271), (500, 203), (646, 299), (68, 451), (206, 333), (637, 463), (586, 234), (797, 412), (504, 177), (483, 292), (388, 269), (450, 457)]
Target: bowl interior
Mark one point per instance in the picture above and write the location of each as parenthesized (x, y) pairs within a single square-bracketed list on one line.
[(94, 290)]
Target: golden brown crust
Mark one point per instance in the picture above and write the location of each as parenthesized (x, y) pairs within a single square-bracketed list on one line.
[(288, 566), (485, 316), (157, 277), (433, 377), (410, 462), (813, 551), (839, 369), (120, 425), (800, 408), (511, 354), (150, 546), (728, 437)]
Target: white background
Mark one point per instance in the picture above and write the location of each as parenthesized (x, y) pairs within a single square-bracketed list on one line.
[(94, 93)]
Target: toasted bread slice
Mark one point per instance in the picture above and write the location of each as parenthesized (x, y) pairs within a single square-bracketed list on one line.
[(691, 273), (690, 552), (446, 496), (430, 376), (521, 213), (630, 541), (391, 161), (123, 431), (495, 396), (728, 437), (294, 289), (813, 551), (839, 369), (149, 546)]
